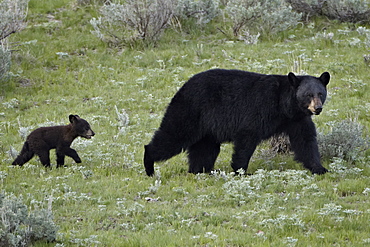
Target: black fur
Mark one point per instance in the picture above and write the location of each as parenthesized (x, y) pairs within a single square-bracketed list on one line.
[(41, 140), (242, 107)]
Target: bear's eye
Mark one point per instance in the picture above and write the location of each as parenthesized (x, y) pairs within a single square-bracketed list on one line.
[(309, 95)]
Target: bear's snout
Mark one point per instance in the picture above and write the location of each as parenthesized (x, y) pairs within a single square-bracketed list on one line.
[(318, 110), (89, 134), (315, 106)]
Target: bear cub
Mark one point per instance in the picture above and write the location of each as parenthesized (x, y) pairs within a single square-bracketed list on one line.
[(243, 108), (41, 140)]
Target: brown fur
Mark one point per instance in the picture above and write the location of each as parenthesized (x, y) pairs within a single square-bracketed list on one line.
[(41, 140)]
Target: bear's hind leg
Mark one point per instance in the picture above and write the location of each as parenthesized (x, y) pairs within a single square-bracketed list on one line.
[(203, 154), (161, 148), (25, 155), (44, 158), (60, 158), (244, 147)]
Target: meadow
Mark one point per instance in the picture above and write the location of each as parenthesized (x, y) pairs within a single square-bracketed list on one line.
[(61, 68)]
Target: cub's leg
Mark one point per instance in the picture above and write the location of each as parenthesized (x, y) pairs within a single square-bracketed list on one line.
[(44, 157), (202, 155), (60, 158), (24, 156), (73, 154)]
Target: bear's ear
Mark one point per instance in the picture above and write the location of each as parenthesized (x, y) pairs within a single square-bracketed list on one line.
[(73, 118), (294, 81), (325, 78)]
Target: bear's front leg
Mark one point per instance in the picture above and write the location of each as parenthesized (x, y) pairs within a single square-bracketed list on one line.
[(202, 155), (73, 154), (302, 137), (44, 157)]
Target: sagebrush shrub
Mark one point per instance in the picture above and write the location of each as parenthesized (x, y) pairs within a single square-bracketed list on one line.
[(133, 20), (12, 19), (203, 10), (19, 227), (345, 140), (343, 10), (12, 16), (280, 144), (268, 16), (4, 60)]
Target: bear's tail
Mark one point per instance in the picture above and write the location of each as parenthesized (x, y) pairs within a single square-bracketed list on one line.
[(25, 155)]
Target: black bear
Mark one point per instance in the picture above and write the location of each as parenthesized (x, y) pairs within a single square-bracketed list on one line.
[(241, 107), (41, 140)]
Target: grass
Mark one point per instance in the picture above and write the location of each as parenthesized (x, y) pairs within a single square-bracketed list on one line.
[(108, 200)]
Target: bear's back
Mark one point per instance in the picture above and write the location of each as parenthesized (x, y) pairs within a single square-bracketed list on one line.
[(52, 136)]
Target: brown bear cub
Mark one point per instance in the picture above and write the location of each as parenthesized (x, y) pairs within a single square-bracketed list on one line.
[(41, 140)]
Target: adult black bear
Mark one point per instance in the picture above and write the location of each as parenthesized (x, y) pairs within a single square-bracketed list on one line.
[(41, 140), (242, 107)]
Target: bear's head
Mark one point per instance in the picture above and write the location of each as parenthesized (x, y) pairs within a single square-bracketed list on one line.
[(310, 92), (81, 126)]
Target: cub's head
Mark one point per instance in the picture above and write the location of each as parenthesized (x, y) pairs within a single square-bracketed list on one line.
[(310, 92), (81, 126)]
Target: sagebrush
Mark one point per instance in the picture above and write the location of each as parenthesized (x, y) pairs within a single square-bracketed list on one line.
[(132, 21), (21, 227), (344, 10), (12, 20), (346, 139)]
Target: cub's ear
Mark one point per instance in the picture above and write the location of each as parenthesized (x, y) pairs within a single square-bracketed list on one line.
[(73, 118), (325, 78), (294, 81)]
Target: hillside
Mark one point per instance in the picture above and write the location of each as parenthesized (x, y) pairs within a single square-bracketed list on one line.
[(61, 68)]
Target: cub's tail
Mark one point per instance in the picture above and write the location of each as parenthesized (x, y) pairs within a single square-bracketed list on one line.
[(25, 155)]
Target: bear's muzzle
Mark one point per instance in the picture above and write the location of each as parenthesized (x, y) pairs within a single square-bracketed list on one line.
[(315, 106)]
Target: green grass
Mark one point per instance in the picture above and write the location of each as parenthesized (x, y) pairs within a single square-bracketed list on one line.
[(109, 201)]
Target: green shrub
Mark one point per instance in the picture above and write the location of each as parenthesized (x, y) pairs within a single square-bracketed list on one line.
[(268, 16), (4, 60), (203, 10), (132, 21), (280, 144), (345, 140), (343, 10), (12, 16), (19, 227)]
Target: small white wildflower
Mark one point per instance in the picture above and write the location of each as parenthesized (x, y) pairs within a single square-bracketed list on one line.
[(62, 54), (366, 191), (290, 241), (3, 175), (123, 118), (13, 103), (362, 30), (210, 235), (330, 209), (352, 211), (366, 241), (13, 153)]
